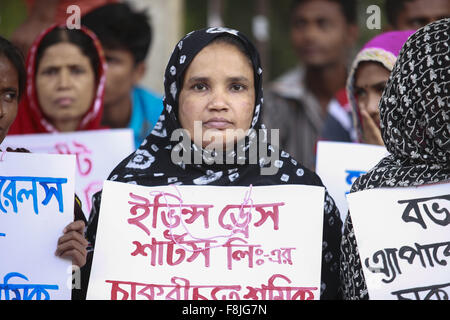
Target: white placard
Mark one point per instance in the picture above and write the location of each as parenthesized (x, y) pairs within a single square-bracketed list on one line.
[(403, 238), (36, 203), (97, 153), (339, 164), (277, 254)]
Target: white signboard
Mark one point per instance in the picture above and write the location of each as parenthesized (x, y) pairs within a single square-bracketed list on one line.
[(403, 237), (339, 164), (36, 203), (97, 153), (214, 243)]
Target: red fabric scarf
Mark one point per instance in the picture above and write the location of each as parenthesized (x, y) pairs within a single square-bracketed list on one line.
[(30, 118)]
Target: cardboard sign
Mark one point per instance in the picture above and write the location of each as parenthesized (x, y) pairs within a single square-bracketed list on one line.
[(403, 238), (36, 203), (97, 154), (339, 164), (207, 242)]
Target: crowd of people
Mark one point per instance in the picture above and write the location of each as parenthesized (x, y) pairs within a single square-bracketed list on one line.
[(87, 79)]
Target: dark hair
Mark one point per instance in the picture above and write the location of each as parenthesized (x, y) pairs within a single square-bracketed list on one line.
[(348, 8), (15, 56), (119, 27), (392, 8), (73, 36)]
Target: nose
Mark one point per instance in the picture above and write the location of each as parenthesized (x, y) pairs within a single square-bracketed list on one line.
[(64, 79), (219, 100), (372, 104)]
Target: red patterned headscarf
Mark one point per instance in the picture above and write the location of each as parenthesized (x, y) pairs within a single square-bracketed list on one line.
[(30, 118)]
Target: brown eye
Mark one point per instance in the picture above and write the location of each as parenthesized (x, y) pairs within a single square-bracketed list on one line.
[(9, 97), (199, 87), (50, 71), (359, 93), (237, 87)]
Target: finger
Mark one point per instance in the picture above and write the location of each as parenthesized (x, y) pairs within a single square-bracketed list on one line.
[(367, 122), (371, 132), (70, 245), (78, 259), (77, 226), (73, 235)]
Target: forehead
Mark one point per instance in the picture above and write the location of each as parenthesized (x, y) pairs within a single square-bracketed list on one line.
[(427, 8), (63, 53), (317, 9), (220, 57), (8, 73), (370, 72)]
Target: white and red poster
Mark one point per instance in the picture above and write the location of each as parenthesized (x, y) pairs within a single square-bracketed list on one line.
[(208, 242), (97, 154)]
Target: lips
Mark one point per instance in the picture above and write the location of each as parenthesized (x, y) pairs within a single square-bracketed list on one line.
[(217, 123), (64, 101)]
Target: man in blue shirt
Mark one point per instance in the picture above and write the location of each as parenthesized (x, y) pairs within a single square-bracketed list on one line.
[(126, 36)]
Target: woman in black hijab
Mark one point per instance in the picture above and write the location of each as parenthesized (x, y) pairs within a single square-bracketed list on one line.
[(415, 125), (214, 77)]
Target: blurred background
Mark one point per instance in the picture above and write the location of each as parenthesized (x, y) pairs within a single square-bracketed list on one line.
[(264, 21)]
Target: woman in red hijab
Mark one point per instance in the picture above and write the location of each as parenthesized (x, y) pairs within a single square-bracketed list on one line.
[(65, 83)]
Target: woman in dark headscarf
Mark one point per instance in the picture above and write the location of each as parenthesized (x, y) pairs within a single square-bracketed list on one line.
[(214, 77), (415, 125)]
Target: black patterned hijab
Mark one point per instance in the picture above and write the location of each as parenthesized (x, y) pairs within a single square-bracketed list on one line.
[(151, 164), (415, 114)]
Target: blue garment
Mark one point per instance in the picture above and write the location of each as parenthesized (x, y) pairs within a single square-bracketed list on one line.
[(146, 109)]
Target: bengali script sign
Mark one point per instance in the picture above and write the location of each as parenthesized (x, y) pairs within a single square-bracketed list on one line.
[(36, 203), (403, 236), (207, 242), (96, 153), (339, 164)]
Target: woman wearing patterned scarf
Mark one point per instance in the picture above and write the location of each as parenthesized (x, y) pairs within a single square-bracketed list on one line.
[(415, 126), (214, 80)]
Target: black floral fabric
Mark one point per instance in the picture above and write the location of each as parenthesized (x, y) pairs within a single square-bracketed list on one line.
[(415, 125)]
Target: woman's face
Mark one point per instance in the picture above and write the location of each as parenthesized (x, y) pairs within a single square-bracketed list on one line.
[(9, 95), (370, 80), (218, 96), (65, 85)]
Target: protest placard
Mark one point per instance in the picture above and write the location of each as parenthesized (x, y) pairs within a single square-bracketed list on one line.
[(36, 203), (97, 153), (339, 164), (403, 237), (208, 242)]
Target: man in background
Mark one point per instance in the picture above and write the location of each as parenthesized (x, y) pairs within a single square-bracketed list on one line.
[(126, 36), (323, 32), (414, 14)]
